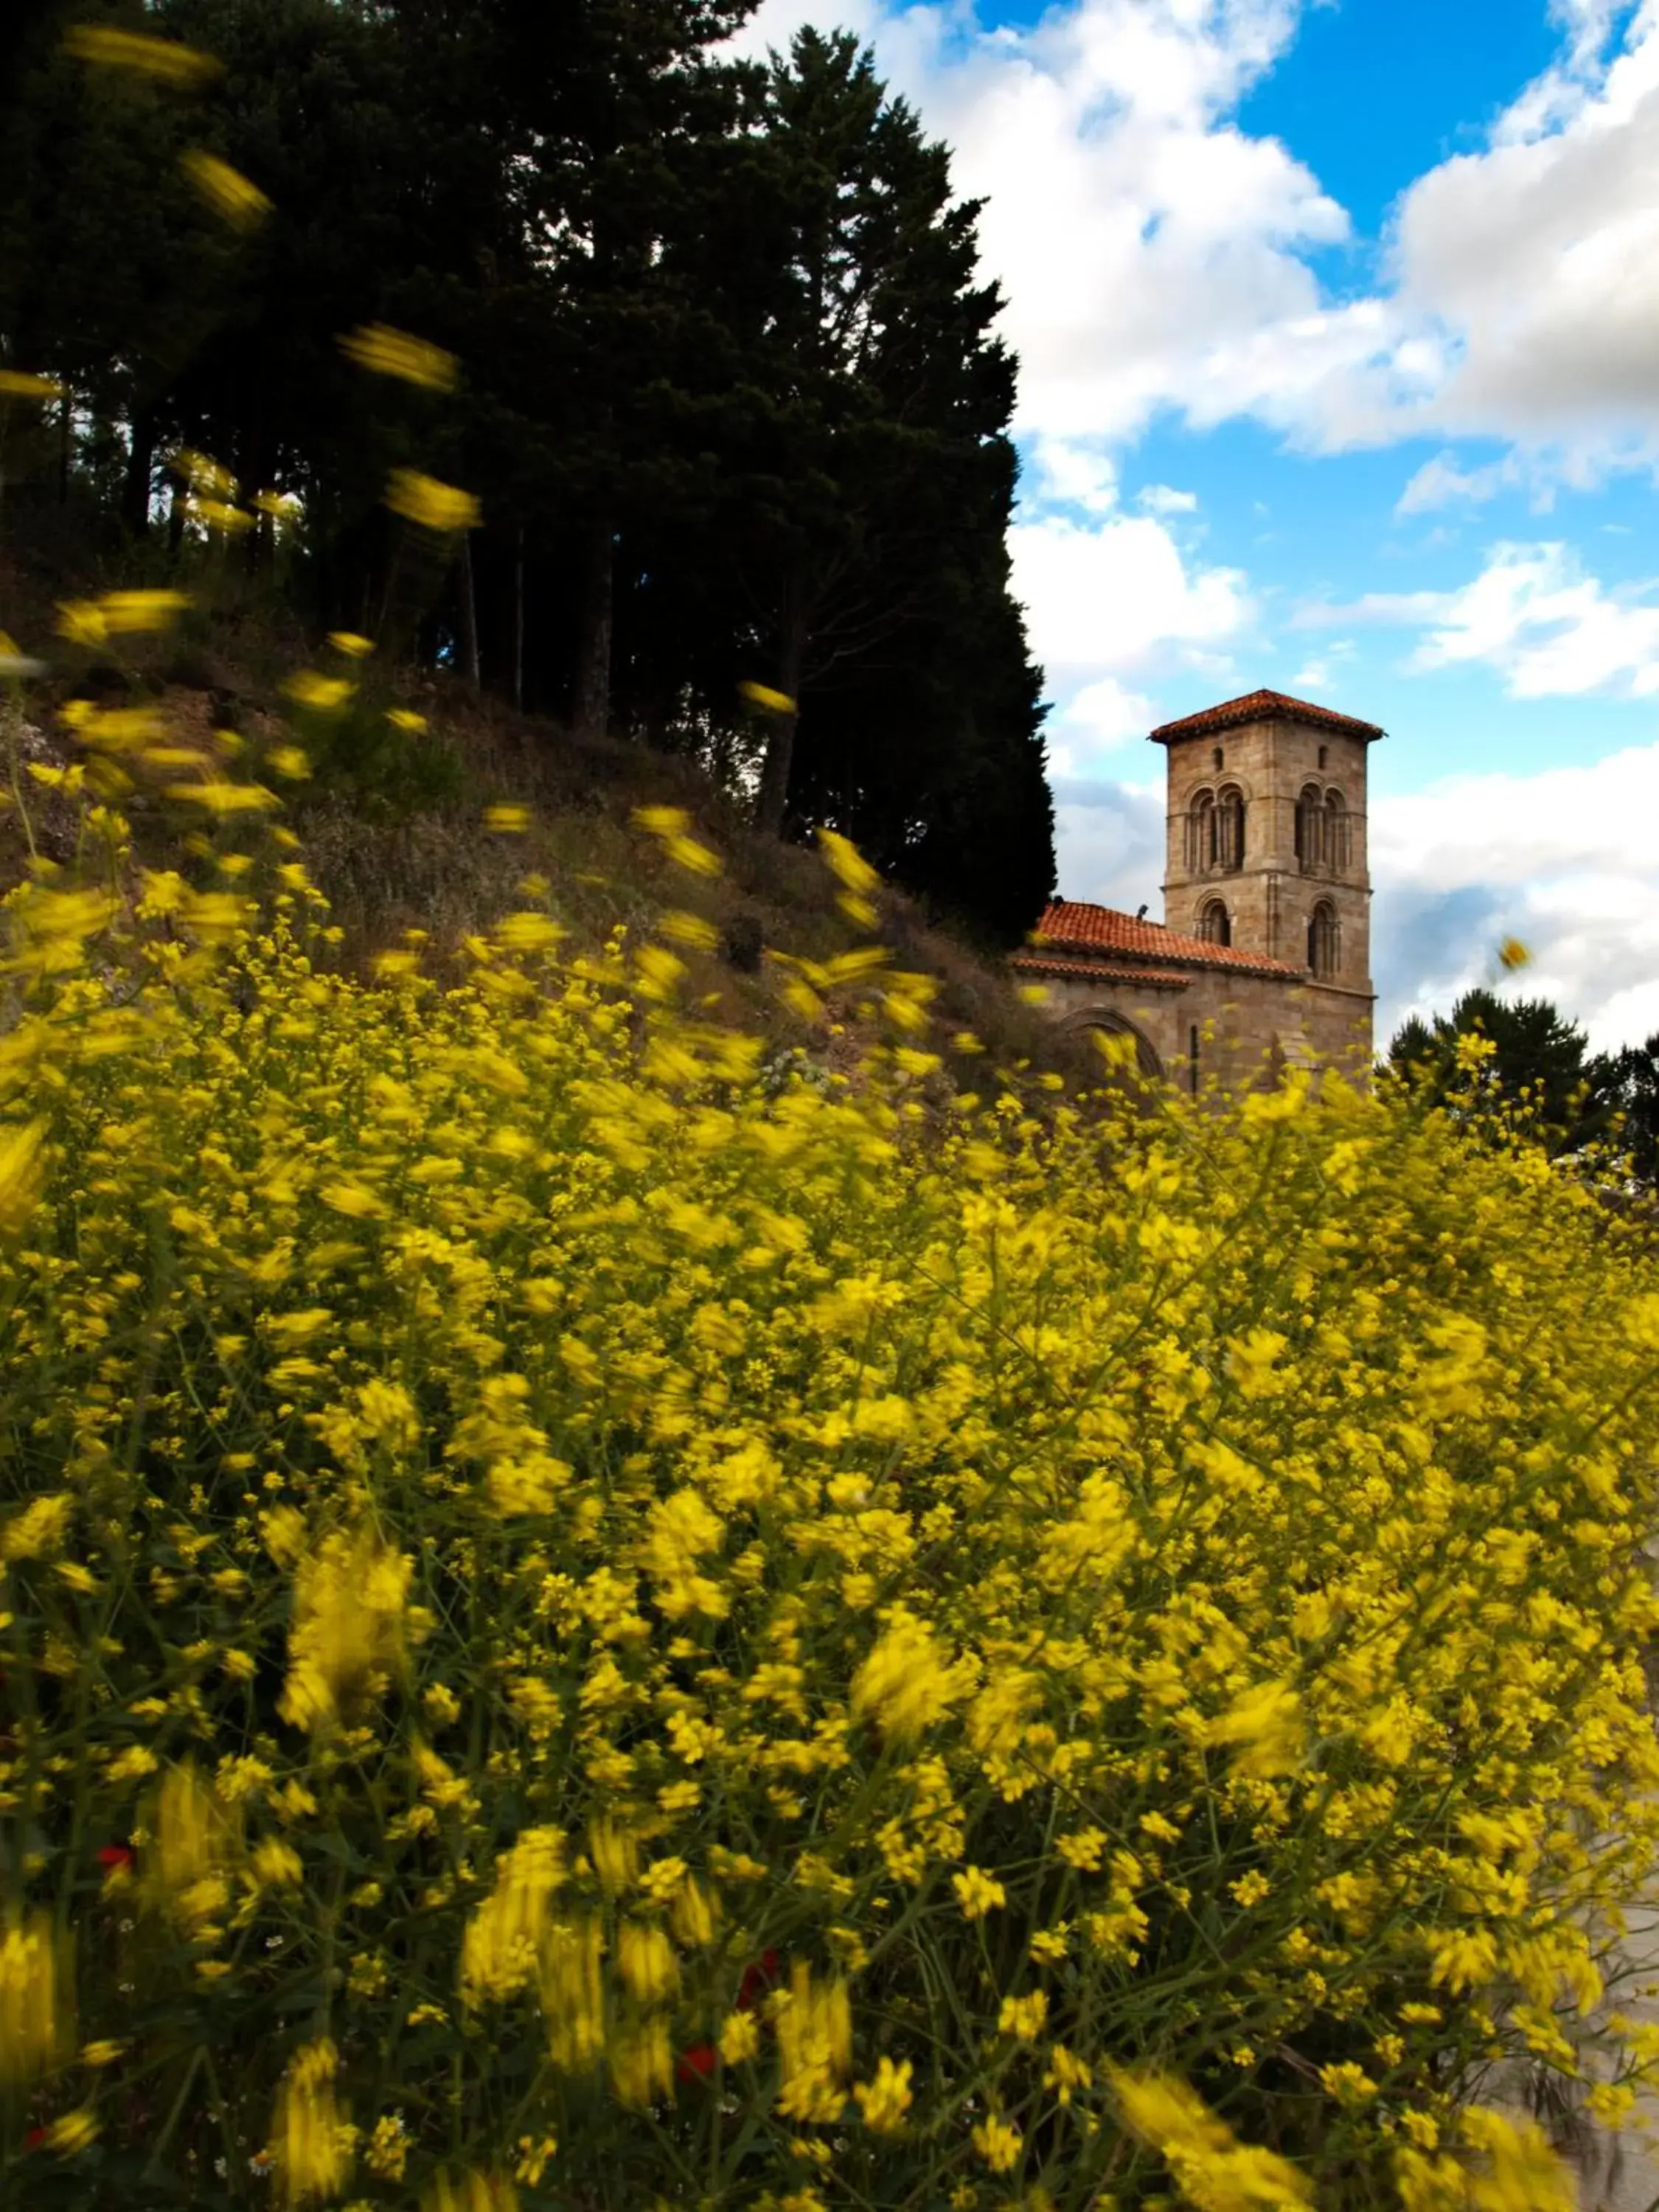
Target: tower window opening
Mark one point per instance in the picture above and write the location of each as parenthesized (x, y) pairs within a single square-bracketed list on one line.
[(1323, 752), (1200, 833), (1230, 830), (1215, 924), (1310, 828), (1220, 760), (1336, 831), (1324, 941)]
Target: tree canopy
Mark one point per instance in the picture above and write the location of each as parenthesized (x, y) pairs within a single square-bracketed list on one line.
[(1539, 1062), (731, 395)]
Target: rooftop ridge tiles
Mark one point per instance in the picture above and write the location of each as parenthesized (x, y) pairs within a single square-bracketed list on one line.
[(1263, 706)]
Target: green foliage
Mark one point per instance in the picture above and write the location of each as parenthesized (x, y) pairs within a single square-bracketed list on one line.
[(1539, 1067), (730, 400)]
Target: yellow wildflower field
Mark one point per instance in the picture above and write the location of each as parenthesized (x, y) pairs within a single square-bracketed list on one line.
[(586, 1624)]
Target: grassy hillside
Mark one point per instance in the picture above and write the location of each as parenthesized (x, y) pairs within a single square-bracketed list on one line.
[(393, 822)]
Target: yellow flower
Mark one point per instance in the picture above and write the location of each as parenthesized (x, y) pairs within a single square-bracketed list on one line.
[(1266, 1721), (814, 2046), (126, 611), (906, 1683), (320, 694), (502, 1946), (226, 191), (312, 2138), (471, 2192), (18, 383), (350, 643), (848, 864), (769, 701), (22, 1150), (1512, 954), (884, 2102), (35, 2025), (387, 352), (999, 2142), (571, 1994), (1211, 2167), (72, 2131), (1022, 2017), (740, 2038), (646, 1962), (164, 59), (434, 506), (978, 1892), (347, 1639), (405, 719)]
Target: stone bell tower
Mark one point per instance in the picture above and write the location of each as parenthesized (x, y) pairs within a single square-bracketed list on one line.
[(1267, 849)]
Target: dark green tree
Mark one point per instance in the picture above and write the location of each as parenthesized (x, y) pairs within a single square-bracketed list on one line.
[(1540, 1063)]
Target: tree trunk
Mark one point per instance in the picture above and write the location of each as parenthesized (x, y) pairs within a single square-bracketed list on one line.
[(517, 626), (139, 480), (591, 715), (469, 615), (772, 801)]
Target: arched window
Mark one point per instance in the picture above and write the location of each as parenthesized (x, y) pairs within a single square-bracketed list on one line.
[(1324, 940), (1230, 830), (1215, 924), (1310, 827), (1336, 832), (1200, 833)]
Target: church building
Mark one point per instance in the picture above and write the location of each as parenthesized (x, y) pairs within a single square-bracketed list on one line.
[(1262, 961)]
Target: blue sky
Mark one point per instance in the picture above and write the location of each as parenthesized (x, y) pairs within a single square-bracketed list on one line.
[(1338, 327)]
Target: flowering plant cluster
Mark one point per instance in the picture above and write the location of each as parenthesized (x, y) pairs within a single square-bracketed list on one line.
[(584, 1627)]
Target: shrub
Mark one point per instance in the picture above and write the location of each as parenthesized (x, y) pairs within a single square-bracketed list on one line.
[(583, 1625)]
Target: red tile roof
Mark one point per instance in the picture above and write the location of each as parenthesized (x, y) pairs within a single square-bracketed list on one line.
[(1039, 962), (1071, 925), (1264, 706)]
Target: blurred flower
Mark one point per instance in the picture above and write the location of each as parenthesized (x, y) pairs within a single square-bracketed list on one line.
[(349, 643), (163, 59), (226, 191), (18, 383), (769, 701), (405, 719), (1512, 954), (434, 506), (510, 820), (387, 352)]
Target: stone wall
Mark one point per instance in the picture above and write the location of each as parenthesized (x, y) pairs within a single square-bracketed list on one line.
[(1238, 1019), (1271, 896)]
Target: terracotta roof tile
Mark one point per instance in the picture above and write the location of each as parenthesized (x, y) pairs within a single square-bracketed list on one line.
[(1071, 924), (1264, 706), (1041, 962)]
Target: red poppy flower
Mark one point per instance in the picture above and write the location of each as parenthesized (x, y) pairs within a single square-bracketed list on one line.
[(116, 1855), (35, 2138), (698, 2063)]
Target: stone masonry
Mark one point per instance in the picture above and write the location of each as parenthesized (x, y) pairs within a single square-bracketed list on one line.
[(1263, 960)]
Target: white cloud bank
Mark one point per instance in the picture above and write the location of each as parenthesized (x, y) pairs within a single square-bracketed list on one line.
[(1564, 859), (1155, 256), (1535, 615)]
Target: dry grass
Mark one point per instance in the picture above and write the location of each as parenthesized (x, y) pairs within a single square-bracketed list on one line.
[(438, 869)]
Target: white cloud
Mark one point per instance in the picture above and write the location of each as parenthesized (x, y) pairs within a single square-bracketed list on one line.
[(1440, 482), (1113, 599), (1070, 472), (1164, 499), (1564, 859), (1107, 599), (1534, 615), (1551, 630)]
